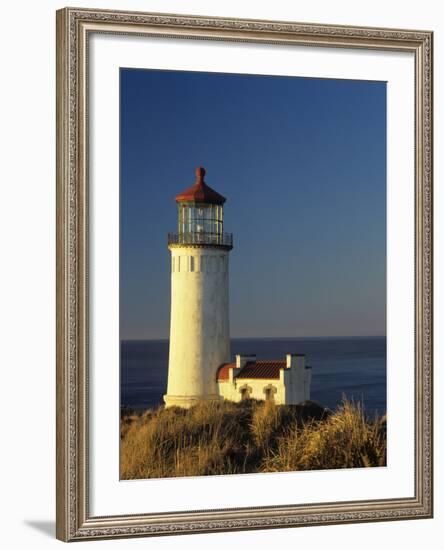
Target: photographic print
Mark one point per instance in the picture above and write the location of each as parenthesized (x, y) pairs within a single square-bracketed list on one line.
[(252, 274), (244, 274)]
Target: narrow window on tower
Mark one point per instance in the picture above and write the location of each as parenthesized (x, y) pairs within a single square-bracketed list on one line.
[(213, 264)]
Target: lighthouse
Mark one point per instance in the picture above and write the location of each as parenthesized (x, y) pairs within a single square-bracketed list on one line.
[(199, 329)]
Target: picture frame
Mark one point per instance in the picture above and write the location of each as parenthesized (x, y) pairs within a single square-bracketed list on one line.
[(75, 27)]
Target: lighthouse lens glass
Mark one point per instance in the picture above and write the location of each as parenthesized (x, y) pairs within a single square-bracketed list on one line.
[(200, 223), (204, 218)]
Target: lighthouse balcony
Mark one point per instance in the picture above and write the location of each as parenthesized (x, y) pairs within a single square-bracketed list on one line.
[(201, 238)]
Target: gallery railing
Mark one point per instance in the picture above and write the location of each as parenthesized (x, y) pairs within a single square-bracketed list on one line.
[(219, 239)]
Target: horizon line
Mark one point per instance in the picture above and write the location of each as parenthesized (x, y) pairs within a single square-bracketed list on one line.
[(266, 338)]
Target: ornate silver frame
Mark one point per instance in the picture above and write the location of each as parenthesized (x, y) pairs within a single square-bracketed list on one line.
[(73, 519)]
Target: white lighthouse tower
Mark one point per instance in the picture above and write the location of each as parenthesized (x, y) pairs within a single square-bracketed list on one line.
[(199, 332)]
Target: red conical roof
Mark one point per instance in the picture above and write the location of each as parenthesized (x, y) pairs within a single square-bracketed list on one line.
[(200, 191)]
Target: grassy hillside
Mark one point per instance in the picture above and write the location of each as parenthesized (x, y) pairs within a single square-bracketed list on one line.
[(246, 437)]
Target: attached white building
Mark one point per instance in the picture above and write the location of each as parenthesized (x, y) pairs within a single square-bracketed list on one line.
[(284, 382), (199, 367)]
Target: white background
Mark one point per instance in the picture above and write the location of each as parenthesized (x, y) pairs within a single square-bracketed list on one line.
[(27, 291)]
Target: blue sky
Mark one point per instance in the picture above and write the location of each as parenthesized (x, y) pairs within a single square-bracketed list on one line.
[(302, 163)]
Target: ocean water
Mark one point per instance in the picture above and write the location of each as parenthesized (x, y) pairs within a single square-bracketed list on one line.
[(354, 367)]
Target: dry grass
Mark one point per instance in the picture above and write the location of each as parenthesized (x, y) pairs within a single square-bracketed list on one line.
[(345, 440), (251, 436)]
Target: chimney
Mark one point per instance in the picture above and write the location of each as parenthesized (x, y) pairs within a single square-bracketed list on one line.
[(241, 360), (296, 360)]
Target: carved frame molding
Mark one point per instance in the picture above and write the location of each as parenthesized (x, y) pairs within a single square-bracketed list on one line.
[(73, 519)]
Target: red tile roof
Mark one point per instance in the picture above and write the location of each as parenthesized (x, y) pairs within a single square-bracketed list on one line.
[(262, 369), (200, 191), (222, 371), (253, 369)]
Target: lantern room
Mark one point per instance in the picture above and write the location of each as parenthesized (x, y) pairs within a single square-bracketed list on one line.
[(200, 215)]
